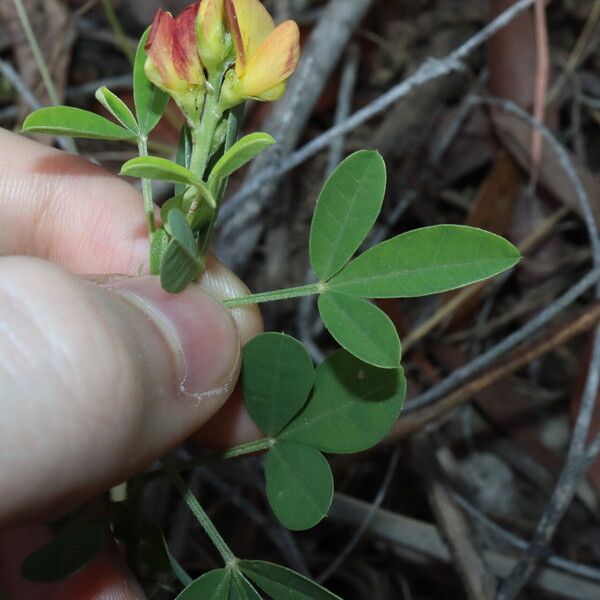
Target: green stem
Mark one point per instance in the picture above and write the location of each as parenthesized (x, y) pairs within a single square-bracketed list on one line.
[(297, 292), (200, 514), (235, 452), (202, 138), (147, 190)]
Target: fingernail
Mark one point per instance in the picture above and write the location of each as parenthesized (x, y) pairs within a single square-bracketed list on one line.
[(200, 329)]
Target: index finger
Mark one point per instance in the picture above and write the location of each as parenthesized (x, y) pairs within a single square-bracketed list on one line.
[(65, 209)]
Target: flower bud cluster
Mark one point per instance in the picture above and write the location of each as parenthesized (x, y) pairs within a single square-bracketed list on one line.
[(234, 40)]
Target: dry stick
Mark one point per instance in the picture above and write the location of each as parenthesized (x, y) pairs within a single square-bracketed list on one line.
[(510, 342), (568, 566), (288, 120), (409, 536), (416, 420), (344, 104), (430, 69), (541, 87), (478, 582), (516, 338), (544, 228), (577, 54), (67, 143), (364, 525), (26, 93), (570, 476)]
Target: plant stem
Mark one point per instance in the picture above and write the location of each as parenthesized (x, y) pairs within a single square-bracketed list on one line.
[(200, 514), (202, 138), (296, 292), (147, 189), (235, 452)]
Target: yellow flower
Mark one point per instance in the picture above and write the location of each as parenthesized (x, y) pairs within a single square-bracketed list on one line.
[(265, 56), (173, 62), (214, 42)]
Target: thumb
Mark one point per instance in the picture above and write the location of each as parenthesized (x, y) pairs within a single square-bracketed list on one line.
[(96, 381)]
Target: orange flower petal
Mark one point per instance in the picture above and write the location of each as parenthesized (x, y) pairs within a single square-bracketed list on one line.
[(274, 61), (159, 48), (186, 59), (173, 61), (250, 25)]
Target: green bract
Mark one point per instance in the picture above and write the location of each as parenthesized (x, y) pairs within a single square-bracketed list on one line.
[(150, 101)]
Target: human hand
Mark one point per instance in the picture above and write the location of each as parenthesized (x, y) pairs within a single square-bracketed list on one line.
[(101, 375)]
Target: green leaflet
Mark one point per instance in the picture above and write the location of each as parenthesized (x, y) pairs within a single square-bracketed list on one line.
[(426, 261), (117, 108), (299, 485), (214, 585), (353, 406), (346, 210), (74, 122), (277, 376), (180, 263), (242, 152), (282, 583), (361, 328), (161, 169)]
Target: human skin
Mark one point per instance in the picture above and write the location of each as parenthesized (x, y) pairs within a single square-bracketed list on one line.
[(101, 372)]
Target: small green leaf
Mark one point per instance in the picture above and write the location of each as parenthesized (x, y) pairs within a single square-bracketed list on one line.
[(241, 588), (74, 122), (282, 583), (242, 152), (70, 551), (277, 376), (426, 261), (150, 102), (346, 210), (361, 328), (214, 585), (180, 264), (169, 205), (299, 485), (117, 108), (184, 154), (160, 241), (162, 169), (181, 574), (353, 406)]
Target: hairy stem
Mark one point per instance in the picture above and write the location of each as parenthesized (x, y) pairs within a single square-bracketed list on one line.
[(199, 513), (202, 137), (296, 292), (147, 190)]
